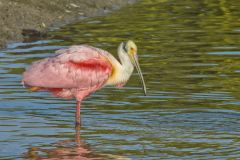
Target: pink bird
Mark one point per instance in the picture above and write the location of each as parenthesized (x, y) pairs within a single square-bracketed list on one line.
[(81, 70)]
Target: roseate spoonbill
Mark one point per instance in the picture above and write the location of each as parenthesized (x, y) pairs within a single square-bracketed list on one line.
[(80, 70)]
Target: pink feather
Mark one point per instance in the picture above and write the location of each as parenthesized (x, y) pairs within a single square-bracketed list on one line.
[(74, 72)]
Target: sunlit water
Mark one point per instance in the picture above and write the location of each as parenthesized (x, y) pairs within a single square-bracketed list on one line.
[(189, 52)]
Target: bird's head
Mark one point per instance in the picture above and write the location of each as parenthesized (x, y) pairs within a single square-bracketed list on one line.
[(130, 48)]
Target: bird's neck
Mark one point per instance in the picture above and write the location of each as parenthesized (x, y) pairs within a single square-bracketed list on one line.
[(121, 70)]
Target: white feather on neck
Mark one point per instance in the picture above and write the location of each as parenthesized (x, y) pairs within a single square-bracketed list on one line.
[(122, 71)]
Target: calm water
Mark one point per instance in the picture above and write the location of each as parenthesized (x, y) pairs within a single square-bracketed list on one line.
[(189, 52)]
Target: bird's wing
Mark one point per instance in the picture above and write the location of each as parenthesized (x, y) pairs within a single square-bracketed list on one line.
[(79, 67)]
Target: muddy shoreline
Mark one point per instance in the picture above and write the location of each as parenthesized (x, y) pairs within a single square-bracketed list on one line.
[(43, 15)]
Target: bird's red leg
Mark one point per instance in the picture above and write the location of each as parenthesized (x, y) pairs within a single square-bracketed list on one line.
[(77, 114)]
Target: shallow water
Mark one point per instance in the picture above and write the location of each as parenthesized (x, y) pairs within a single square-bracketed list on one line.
[(189, 52)]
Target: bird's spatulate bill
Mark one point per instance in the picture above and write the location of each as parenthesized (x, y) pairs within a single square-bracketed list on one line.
[(140, 73)]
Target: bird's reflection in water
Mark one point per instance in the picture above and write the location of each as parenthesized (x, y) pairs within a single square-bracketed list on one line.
[(68, 149), (73, 149)]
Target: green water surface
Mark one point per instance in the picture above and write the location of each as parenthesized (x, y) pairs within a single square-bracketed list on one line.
[(189, 53)]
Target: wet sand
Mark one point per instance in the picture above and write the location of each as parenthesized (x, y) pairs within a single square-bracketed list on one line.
[(18, 17)]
